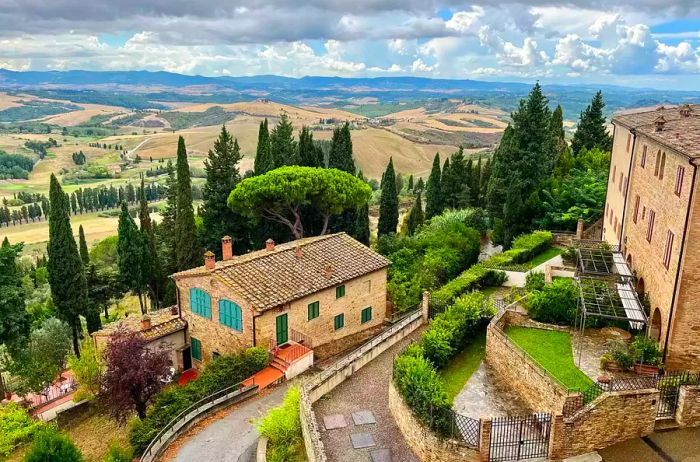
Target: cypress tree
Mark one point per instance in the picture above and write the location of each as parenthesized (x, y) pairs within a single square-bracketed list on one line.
[(475, 184), (84, 256), (283, 149), (592, 129), (188, 253), (446, 185), (309, 154), (410, 183), (433, 190), (14, 319), (153, 268), (556, 129), (218, 219), (419, 184), (415, 216), (263, 160), (133, 256), (340, 156), (389, 202), (65, 268), (361, 232)]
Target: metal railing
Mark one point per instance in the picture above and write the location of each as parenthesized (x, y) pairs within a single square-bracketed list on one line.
[(53, 393), (187, 415)]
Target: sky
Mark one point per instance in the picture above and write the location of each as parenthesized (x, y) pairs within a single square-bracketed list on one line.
[(646, 43)]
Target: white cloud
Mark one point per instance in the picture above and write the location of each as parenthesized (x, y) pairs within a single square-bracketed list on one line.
[(419, 66), (510, 54), (465, 22)]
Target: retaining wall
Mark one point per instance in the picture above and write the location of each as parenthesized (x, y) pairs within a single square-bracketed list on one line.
[(688, 411)]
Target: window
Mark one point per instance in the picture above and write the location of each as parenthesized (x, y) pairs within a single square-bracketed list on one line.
[(629, 141), (663, 165), (643, 162), (340, 291), (650, 225), (366, 315), (230, 315), (668, 249), (644, 212), (636, 208), (680, 172), (196, 348), (368, 286), (624, 188), (313, 309), (200, 302), (339, 321), (614, 173), (622, 180)]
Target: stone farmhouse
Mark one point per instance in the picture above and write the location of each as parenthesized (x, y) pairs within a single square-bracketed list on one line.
[(652, 212), (319, 295)]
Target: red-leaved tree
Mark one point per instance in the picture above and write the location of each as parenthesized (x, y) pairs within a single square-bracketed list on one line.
[(133, 373)]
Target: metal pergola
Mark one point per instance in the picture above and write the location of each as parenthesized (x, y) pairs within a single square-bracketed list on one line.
[(605, 288)]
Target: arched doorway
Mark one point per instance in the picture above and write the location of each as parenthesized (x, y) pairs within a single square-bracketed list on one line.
[(640, 287), (655, 326), (629, 261)]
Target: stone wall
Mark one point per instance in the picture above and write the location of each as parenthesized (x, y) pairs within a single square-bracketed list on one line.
[(424, 443), (688, 411), (615, 200), (610, 419), (540, 391)]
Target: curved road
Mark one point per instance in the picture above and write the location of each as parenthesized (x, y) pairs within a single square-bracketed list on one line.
[(234, 437)]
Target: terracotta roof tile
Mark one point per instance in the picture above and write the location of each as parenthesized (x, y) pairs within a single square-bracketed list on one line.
[(268, 279), (679, 132), (163, 323)]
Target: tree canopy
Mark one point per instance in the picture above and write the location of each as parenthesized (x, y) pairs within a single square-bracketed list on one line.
[(592, 131), (389, 202), (281, 194), (188, 253)]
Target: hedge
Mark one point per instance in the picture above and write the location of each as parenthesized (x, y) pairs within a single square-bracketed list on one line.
[(525, 248), (282, 426), (416, 369), (476, 277), (222, 372), (16, 427)]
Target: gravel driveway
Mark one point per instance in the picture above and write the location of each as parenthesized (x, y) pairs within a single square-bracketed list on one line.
[(368, 389)]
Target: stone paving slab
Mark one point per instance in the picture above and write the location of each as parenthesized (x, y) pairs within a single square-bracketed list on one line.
[(331, 422), (363, 418), (380, 455), (362, 440)]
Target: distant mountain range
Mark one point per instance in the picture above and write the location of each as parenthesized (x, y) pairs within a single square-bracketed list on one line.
[(101, 86)]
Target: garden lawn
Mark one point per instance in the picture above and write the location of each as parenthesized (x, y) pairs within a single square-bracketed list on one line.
[(552, 349), (544, 256), (458, 371)]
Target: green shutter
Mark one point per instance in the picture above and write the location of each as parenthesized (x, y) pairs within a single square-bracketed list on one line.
[(339, 321), (366, 315), (200, 302), (313, 310), (196, 348), (340, 291), (230, 315)]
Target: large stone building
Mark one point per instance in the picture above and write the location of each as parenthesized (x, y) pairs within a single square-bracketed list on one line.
[(327, 293), (652, 212)]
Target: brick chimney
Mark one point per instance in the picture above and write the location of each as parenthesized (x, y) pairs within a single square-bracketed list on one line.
[(227, 247), (686, 110), (297, 252), (145, 322), (209, 260), (328, 272), (660, 122), (270, 245)]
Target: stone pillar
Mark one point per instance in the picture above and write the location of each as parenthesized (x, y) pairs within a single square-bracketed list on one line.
[(425, 306), (556, 438), (547, 274), (579, 229), (485, 439)]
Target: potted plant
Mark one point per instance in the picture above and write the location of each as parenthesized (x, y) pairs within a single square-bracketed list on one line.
[(646, 354), (608, 363)]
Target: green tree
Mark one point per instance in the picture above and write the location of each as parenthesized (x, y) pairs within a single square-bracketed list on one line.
[(310, 155), (433, 192), (389, 202), (282, 194), (51, 446), (415, 216), (340, 156), (410, 183), (218, 219), (556, 129), (87, 369), (188, 253), (84, 255), (14, 320), (133, 256), (66, 277), (455, 180), (283, 148), (263, 159), (591, 131), (153, 267)]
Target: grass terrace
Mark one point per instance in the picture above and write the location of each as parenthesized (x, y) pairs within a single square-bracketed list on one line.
[(552, 350), (461, 367)]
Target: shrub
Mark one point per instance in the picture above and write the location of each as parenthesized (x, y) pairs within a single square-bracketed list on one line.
[(16, 427), (534, 282), (645, 351), (555, 303), (119, 454), (282, 427), (476, 277), (524, 248), (224, 371), (51, 446), (471, 217)]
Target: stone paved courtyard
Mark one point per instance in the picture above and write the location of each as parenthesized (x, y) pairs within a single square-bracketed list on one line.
[(361, 399), (485, 395)]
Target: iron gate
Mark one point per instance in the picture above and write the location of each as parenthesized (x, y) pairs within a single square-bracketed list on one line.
[(518, 438), (669, 386)]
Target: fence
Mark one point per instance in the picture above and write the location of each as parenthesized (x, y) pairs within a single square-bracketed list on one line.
[(668, 384), (519, 437), (52, 393), (329, 378), (188, 416)]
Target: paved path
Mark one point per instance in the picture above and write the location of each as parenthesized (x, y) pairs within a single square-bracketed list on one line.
[(368, 389), (485, 394), (234, 437), (672, 446)]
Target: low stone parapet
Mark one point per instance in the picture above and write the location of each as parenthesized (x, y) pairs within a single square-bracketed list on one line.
[(688, 411)]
